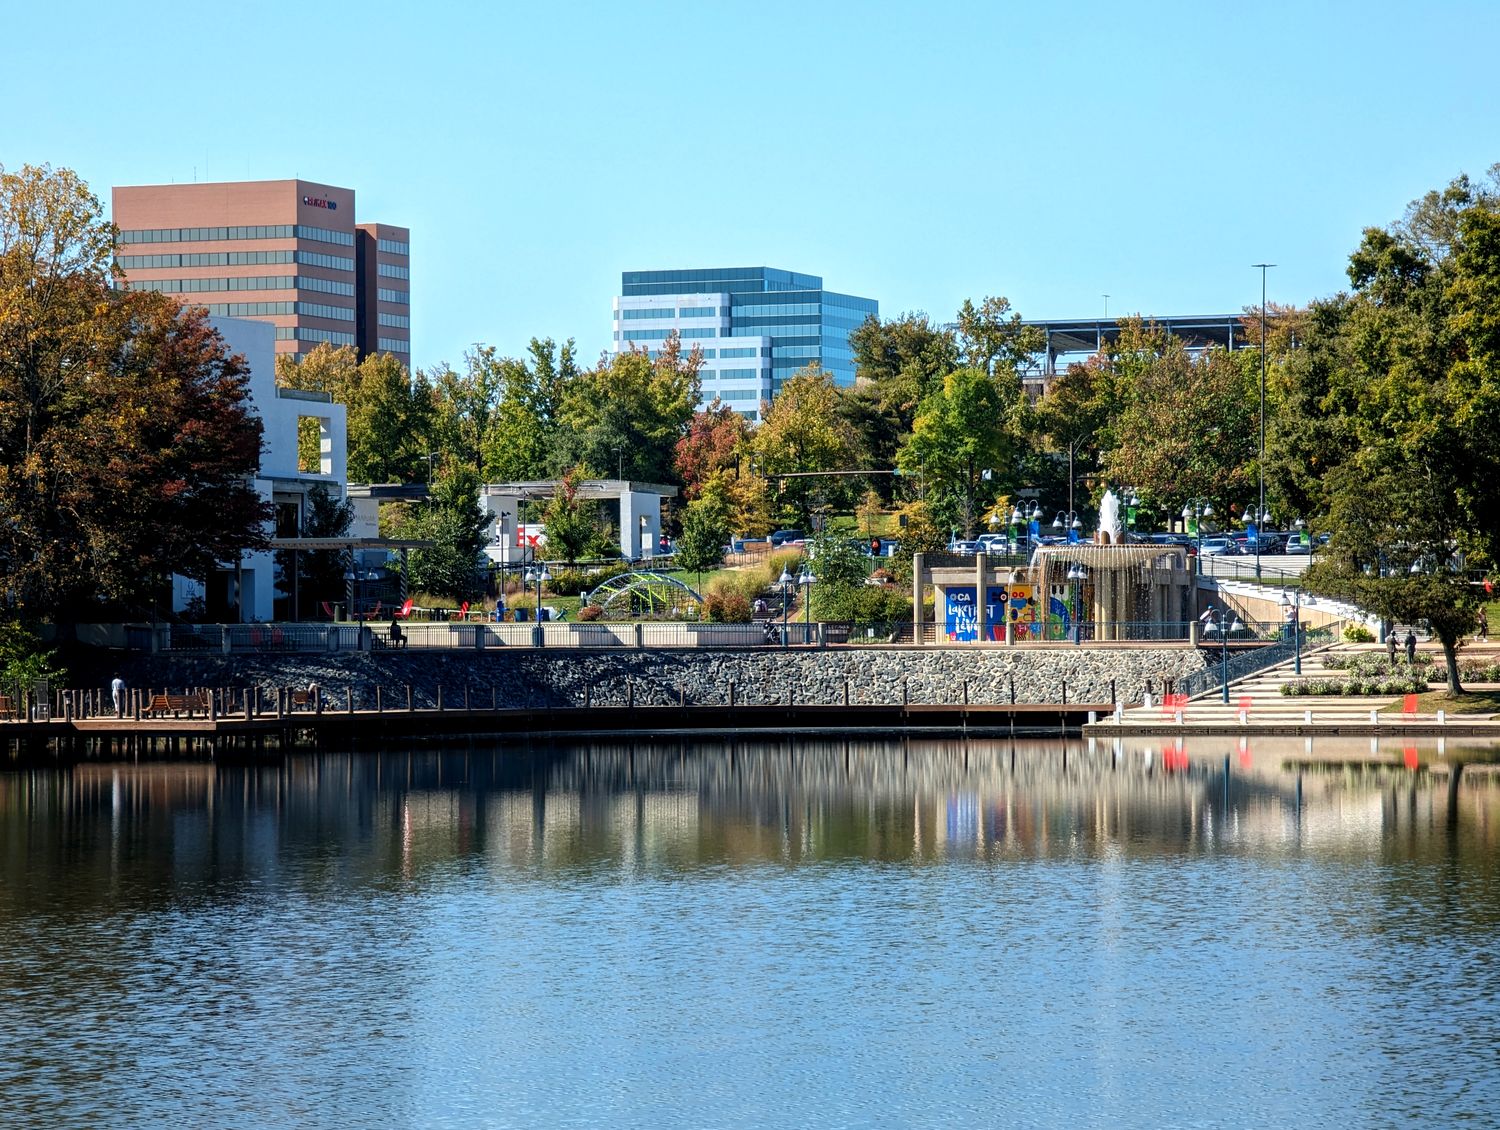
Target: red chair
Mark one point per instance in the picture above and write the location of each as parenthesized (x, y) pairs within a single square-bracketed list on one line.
[(463, 611), (402, 613), (328, 610)]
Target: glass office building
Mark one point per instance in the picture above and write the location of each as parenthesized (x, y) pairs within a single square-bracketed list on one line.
[(756, 326)]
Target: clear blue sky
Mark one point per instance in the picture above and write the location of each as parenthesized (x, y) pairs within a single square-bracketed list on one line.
[(917, 153)]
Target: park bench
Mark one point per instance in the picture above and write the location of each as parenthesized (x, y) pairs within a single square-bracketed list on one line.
[(7, 707), (176, 703)]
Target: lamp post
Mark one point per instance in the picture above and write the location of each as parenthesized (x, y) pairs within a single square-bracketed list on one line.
[(1294, 621), (1130, 500), (1194, 510), (785, 582), (1077, 574), (541, 576), (1260, 466), (1224, 622), (806, 580), (1069, 520)]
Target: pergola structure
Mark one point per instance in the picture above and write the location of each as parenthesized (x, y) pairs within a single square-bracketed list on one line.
[(351, 546)]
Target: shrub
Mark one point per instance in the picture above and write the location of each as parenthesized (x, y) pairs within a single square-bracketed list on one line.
[(590, 612), (726, 606), (1358, 633), (575, 582)]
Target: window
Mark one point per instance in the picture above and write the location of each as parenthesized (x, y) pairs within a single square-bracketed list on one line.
[(738, 352), (305, 333), (393, 247), (740, 394), (325, 286), (652, 312), (400, 321), (312, 259), (323, 235), (708, 332), (202, 286), (395, 345), (738, 374), (391, 271), (318, 310), (399, 297), (698, 312)]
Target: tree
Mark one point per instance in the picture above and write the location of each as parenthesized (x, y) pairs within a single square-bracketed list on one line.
[(960, 436), (993, 339), (319, 572), (705, 530), (572, 524), (902, 361), (626, 415), (715, 442), (801, 431), (1408, 380), (454, 522), (519, 443), (127, 439)]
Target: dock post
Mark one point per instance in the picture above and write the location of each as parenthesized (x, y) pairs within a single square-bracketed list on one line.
[(905, 693), (249, 707), (731, 693), (1013, 690), (630, 692), (440, 697), (966, 693), (379, 705), (846, 692), (588, 695), (1065, 692), (349, 698), (466, 697), (409, 705)]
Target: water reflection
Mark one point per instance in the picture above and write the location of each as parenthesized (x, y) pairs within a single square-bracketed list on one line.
[(908, 932)]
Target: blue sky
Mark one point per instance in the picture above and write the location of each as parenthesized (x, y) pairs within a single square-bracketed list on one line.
[(914, 153)]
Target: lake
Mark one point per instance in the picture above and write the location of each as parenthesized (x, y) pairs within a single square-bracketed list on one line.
[(713, 933)]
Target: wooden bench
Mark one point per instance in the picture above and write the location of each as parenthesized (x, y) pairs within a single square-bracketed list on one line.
[(177, 703), (7, 707)]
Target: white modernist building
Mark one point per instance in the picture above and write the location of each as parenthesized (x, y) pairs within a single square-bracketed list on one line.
[(514, 513), (245, 590)]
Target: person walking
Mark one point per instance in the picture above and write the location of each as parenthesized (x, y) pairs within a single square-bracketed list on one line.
[(1390, 644), (1483, 624), (1411, 646), (117, 692)]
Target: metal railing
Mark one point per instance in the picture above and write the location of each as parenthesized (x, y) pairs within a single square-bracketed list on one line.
[(1246, 663)]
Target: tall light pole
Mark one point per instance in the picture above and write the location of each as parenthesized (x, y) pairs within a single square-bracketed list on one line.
[(786, 582), (1260, 465), (1224, 622)]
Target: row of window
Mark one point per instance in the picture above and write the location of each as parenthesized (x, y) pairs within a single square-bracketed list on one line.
[(249, 282), (261, 309), (657, 313), (739, 394), (306, 333), (247, 231), (398, 296), (737, 374), (649, 313), (701, 312), (234, 259), (393, 246), (741, 352), (394, 345), (398, 321), (638, 336), (788, 308), (391, 271)]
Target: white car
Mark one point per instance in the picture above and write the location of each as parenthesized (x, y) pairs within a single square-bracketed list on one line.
[(1218, 547)]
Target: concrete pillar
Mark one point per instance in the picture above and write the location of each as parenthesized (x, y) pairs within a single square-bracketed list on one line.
[(981, 573), (918, 575)]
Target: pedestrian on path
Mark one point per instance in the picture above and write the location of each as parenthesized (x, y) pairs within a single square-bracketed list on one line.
[(1390, 644), (1411, 646), (117, 692), (1483, 624)]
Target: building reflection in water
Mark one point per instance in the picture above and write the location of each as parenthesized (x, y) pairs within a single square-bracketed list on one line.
[(642, 806)]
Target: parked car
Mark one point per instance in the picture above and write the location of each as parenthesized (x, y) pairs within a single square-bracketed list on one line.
[(782, 537), (964, 548), (996, 543), (1218, 547)]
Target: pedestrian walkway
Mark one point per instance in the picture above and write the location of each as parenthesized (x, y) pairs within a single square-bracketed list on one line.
[(1257, 703)]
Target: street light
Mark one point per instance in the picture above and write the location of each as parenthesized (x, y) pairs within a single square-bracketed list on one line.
[(1077, 574), (1130, 500), (1226, 623), (1068, 519), (541, 577), (1294, 607), (806, 580), (785, 581), (1194, 510), (1260, 467)]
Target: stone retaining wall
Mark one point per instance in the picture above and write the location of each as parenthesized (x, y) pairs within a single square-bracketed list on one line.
[(532, 678)]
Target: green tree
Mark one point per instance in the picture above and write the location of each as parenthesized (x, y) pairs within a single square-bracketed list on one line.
[(320, 572), (800, 431), (705, 531), (625, 416), (454, 522), (520, 441), (959, 435), (573, 525), (993, 339), (1414, 497), (902, 360)]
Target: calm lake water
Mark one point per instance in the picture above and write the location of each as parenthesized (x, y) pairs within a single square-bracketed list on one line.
[(716, 934)]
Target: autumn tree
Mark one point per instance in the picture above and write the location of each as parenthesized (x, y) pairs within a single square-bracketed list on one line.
[(715, 442), (127, 438)]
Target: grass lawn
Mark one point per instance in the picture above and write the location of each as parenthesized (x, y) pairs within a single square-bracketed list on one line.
[(1472, 702)]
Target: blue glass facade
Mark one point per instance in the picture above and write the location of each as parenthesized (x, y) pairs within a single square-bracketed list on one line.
[(804, 322)]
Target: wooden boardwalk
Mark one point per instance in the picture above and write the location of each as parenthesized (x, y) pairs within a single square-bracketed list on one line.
[(200, 735)]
